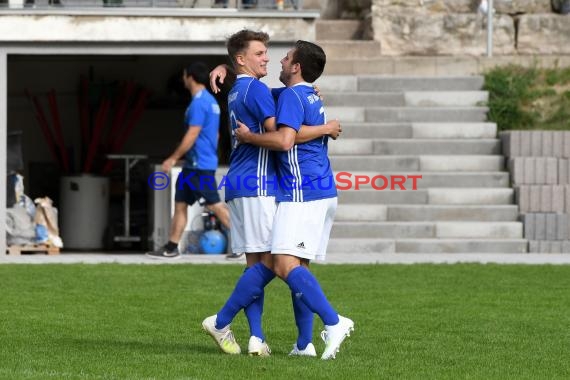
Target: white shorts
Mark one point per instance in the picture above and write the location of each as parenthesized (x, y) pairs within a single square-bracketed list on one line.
[(251, 221), (302, 229)]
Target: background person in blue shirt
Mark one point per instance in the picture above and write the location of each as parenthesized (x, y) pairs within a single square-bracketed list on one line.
[(199, 147), (307, 197)]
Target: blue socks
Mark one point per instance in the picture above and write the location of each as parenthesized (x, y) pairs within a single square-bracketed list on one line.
[(248, 290), (306, 294), (303, 283), (253, 312), (304, 322)]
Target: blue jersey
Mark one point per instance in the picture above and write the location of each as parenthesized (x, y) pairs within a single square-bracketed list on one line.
[(203, 111), (252, 169), (305, 172)]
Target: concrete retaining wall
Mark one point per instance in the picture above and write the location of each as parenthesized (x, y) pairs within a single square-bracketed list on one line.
[(540, 174)]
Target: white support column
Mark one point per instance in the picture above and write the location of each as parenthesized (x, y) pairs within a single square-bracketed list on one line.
[(3, 147)]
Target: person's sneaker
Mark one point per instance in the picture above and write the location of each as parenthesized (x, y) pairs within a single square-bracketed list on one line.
[(224, 338), (163, 253), (335, 335), (234, 256), (308, 351), (257, 347)]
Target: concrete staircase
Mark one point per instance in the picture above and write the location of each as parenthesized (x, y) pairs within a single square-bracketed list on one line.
[(430, 126)]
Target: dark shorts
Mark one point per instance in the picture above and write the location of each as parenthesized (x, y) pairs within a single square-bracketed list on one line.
[(197, 185)]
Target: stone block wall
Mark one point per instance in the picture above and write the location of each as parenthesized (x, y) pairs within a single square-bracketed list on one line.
[(539, 163), (455, 27)]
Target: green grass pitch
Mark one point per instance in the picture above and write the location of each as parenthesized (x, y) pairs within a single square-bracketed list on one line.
[(411, 322)]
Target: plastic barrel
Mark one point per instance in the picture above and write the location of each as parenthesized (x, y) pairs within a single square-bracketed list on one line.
[(84, 204)]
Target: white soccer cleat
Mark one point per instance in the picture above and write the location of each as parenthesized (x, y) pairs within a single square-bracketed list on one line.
[(224, 338), (257, 347), (308, 351), (335, 335)]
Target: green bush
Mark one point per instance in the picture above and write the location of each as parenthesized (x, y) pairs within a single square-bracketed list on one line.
[(528, 98)]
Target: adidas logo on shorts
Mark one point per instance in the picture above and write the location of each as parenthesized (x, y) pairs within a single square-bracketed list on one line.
[(301, 245)]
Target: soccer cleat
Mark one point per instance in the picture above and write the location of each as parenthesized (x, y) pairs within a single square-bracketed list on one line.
[(257, 347), (224, 338), (335, 335), (308, 351), (163, 253)]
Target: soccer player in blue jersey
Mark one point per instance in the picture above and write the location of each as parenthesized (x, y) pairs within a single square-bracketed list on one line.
[(307, 197), (251, 185), (199, 147)]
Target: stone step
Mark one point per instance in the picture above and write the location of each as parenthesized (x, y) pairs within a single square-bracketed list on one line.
[(444, 130), (394, 83), (460, 246), (361, 245), (435, 163), (470, 196), (343, 146), (432, 196), (414, 65), (409, 98), (445, 98), (364, 99), (338, 30), (376, 163), (382, 197), (495, 213), (465, 163), (383, 230), (435, 65), (424, 114), (346, 114), (410, 180), (463, 179), (361, 212), (337, 83), (426, 230), (444, 196), (479, 230), (419, 83), (403, 147), (353, 49), (375, 130), (407, 114), (441, 130)]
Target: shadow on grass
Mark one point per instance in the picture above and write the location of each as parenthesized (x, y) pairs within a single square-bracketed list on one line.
[(90, 344)]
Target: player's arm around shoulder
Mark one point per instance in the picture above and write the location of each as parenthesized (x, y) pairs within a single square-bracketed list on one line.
[(282, 140), (311, 132)]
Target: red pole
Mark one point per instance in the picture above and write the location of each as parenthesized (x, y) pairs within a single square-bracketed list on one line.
[(44, 126), (57, 128), (99, 123), (83, 105), (133, 119)]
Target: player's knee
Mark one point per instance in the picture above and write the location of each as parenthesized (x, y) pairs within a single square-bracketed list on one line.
[(281, 273), (281, 270)]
